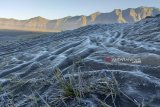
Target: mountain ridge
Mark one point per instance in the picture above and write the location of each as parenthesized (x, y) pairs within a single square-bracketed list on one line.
[(39, 23)]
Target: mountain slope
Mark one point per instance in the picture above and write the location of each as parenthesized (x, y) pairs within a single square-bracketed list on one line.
[(68, 23)]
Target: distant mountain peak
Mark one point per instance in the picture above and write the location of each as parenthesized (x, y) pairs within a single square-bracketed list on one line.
[(94, 16), (97, 13), (38, 18), (39, 23)]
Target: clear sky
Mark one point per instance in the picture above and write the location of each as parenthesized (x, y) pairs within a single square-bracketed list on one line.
[(53, 9)]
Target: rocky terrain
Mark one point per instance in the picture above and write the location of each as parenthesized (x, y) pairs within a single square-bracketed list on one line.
[(69, 23), (80, 68)]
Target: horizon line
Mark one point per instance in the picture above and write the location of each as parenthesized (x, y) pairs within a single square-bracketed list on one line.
[(74, 15)]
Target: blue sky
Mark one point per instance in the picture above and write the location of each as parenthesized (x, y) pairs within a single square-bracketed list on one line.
[(53, 9)]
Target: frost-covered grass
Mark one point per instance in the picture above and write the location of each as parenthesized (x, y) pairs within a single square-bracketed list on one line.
[(101, 89)]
